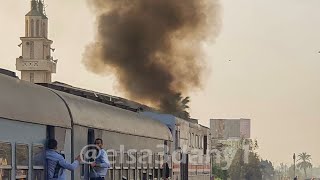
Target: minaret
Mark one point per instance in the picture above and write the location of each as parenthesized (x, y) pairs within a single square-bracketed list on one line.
[(36, 63)]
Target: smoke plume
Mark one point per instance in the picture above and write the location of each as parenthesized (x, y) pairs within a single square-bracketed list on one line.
[(153, 47)]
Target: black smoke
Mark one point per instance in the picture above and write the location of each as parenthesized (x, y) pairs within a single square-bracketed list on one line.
[(153, 47)]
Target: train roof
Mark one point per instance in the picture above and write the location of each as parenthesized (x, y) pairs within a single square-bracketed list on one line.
[(90, 113), (23, 101), (97, 96), (27, 102)]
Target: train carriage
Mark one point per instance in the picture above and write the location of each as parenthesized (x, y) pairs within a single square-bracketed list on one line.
[(190, 148), (26, 112), (30, 114), (120, 130)]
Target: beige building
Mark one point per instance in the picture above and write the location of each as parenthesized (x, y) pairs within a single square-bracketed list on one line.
[(230, 128), (227, 136), (36, 63)]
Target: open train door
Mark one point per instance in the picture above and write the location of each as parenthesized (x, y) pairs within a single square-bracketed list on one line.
[(184, 164)]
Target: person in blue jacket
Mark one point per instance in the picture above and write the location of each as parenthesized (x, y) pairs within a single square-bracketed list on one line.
[(100, 166), (56, 164)]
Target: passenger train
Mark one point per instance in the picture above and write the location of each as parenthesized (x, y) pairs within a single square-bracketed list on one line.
[(30, 114)]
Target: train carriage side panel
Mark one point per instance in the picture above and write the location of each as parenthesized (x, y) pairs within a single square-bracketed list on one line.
[(26, 112), (116, 127)]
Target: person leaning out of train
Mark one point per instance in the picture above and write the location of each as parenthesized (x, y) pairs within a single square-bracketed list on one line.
[(101, 164), (56, 164)]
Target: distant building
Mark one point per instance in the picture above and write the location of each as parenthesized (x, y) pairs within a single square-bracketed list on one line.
[(227, 133), (36, 63), (230, 128)]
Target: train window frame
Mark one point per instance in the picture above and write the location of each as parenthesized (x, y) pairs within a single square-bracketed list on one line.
[(151, 160), (132, 164), (111, 158), (7, 167), (19, 167), (138, 155), (60, 135), (202, 142), (124, 160), (38, 168), (192, 140), (117, 160), (144, 158), (196, 141)]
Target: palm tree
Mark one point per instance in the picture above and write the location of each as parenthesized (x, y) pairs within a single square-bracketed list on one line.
[(182, 106), (177, 105), (304, 162)]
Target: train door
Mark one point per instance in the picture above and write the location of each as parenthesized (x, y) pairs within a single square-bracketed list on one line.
[(63, 137), (90, 141), (184, 164)]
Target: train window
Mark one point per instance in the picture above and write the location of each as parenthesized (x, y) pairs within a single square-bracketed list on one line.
[(125, 159), (5, 160), (139, 174), (5, 174), (22, 174), (38, 162), (177, 139), (150, 160), (37, 174), (60, 135), (205, 141), (145, 160), (22, 155), (132, 159), (157, 160), (150, 174), (38, 155), (192, 140), (125, 173), (156, 173), (5, 154), (196, 141), (132, 174), (110, 173), (179, 146), (50, 132), (117, 174), (22, 161), (139, 160), (201, 142), (111, 157), (117, 159), (82, 170)]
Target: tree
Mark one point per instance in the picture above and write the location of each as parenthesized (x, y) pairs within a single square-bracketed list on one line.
[(304, 162), (177, 106), (292, 172), (267, 169), (218, 173), (252, 169), (236, 166), (283, 170)]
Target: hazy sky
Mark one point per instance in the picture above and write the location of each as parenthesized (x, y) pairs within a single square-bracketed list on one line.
[(273, 78)]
